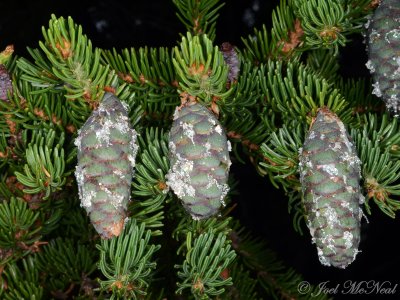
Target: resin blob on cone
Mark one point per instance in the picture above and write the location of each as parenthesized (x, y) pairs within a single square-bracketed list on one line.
[(199, 155), (106, 158), (384, 53), (330, 178)]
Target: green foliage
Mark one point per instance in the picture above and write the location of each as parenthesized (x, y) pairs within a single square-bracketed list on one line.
[(126, 262), (359, 93), (259, 47), (135, 113), (200, 68), (3, 150), (70, 59), (66, 63), (243, 287), (280, 164), (324, 23), (282, 148), (63, 262), (377, 143), (188, 226), (281, 42), (206, 258), (21, 282), (149, 188), (296, 92), (29, 110), (199, 17), (74, 223), (384, 130), (324, 63), (358, 11), (44, 171), (246, 91), (150, 74), (18, 228)]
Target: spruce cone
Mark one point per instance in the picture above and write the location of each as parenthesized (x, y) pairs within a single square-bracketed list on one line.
[(199, 155), (231, 58), (5, 83), (106, 158), (330, 175), (5, 80), (384, 46)]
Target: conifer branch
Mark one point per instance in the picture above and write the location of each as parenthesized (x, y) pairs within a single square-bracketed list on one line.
[(246, 90), (207, 256), (359, 93), (201, 69), (296, 92), (66, 63), (149, 72), (281, 156), (19, 231), (193, 227), (272, 275), (324, 63), (75, 223), (150, 191), (324, 24), (243, 287), (380, 169), (199, 17), (126, 262), (44, 171), (281, 42), (17, 283), (64, 263)]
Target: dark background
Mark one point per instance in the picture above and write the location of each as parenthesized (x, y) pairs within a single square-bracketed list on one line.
[(261, 207)]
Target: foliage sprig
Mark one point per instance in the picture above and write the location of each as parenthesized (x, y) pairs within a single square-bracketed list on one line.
[(201, 69), (207, 256), (126, 262), (44, 171), (150, 191), (199, 17)]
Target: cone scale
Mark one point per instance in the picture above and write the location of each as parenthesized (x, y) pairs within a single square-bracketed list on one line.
[(330, 176), (199, 156), (106, 158)]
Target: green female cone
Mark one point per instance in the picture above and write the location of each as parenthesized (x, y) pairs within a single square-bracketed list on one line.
[(106, 158), (383, 51), (330, 176), (199, 155)]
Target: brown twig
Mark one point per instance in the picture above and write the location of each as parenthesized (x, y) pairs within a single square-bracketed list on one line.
[(294, 38)]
